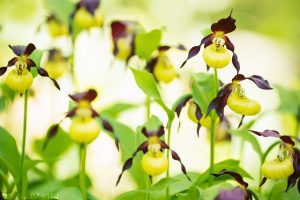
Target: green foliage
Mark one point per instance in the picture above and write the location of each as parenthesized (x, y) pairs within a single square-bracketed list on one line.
[(203, 179), (203, 86), (245, 135), (116, 109), (146, 82), (36, 56), (9, 154), (61, 9), (69, 193), (56, 147), (289, 100), (147, 43)]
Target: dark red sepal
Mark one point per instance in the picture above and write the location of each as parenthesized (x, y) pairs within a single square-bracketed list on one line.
[(44, 73), (128, 163), (234, 174), (225, 25), (219, 102), (89, 96), (196, 49), (52, 131), (159, 132)]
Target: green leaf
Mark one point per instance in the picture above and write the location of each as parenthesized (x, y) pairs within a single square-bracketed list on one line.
[(230, 164), (9, 154), (48, 187), (69, 193), (74, 181), (244, 134), (289, 100), (176, 185), (116, 109), (212, 192), (278, 192), (192, 194), (56, 147), (203, 89), (147, 43), (61, 9), (147, 84)]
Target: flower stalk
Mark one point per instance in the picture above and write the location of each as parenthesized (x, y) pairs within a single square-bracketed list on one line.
[(22, 174), (82, 171)]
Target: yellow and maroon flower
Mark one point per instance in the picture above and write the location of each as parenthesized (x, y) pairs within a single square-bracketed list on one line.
[(155, 146), (23, 63), (123, 35), (216, 42)]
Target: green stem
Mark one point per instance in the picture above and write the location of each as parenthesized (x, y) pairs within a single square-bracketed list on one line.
[(169, 126), (82, 172), (213, 128), (22, 174), (148, 186)]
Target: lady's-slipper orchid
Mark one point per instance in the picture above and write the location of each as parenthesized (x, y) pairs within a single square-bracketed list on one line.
[(123, 36), (234, 96), (56, 64), (20, 78), (216, 44), (84, 127), (287, 163), (153, 161)]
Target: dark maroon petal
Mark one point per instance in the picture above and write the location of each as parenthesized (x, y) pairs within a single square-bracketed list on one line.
[(238, 77), (236, 193), (18, 50), (118, 30), (12, 62), (220, 101), (90, 5), (107, 126), (260, 82), (199, 115), (30, 63), (234, 174), (128, 163), (44, 73), (52, 131), (263, 181), (94, 113), (176, 157), (196, 49), (267, 133), (225, 25), (287, 140), (291, 181), (71, 113), (236, 63), (29, 49), (229, 44), (3, 70), (146, 132), (181, 104), (164, 48), (163, 144), (241, 122), (151, 64), (89, 95), (160, 132)]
